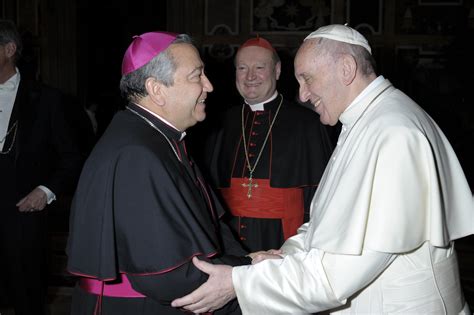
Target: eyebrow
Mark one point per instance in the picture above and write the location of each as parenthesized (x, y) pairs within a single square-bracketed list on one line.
[(196, 69)]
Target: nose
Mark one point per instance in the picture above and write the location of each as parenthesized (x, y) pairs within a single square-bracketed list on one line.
[(250, 74), (207, 85), (304, 93)]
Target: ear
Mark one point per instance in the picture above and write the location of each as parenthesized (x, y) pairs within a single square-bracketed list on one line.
[(156, 91), (10, 49), (278, 70), (348, 69)]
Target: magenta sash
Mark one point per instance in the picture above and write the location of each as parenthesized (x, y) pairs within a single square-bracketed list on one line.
[(122, 288)]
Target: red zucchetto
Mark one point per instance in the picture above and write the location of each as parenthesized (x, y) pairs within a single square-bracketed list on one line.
[(258, 41)]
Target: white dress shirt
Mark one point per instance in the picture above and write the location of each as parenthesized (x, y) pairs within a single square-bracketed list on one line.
[(7, 99), (8, 91)]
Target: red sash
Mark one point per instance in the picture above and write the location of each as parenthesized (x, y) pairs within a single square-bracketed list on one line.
[(266, 203)]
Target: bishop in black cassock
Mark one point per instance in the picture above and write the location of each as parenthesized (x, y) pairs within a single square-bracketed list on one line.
[(142, 210)]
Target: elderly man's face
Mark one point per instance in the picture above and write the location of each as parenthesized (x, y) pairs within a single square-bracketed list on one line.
[(256, 74), (319, 84), (186, 97)]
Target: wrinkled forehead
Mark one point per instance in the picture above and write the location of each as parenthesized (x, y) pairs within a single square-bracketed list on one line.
[(306, 51), (306, 59), (253, 54)]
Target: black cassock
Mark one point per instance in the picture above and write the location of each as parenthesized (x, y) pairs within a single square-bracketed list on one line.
[(140, 211), (295, 156)]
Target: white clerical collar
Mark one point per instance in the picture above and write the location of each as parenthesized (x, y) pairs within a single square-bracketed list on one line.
[(183, 133), (260, 106), (369, 88)]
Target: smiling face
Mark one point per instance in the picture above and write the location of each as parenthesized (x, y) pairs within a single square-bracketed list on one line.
[(185, 99), (319, 82), (256, 74)]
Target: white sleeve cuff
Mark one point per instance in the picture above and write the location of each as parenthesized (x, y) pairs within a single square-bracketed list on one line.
[(49, 194), (296, 284)]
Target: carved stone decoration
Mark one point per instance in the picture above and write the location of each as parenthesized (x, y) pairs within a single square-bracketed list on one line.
[(220, 51), (289, 15), (431, 17), (221, 15)]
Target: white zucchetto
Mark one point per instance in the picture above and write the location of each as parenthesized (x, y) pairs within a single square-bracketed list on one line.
[(341, 33)]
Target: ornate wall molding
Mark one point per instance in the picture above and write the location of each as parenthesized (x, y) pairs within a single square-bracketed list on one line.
[(221, 17), (297, 16)]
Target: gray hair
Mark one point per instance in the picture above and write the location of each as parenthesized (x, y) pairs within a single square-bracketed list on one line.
[(9, 34), (162, 67), (334, 49)]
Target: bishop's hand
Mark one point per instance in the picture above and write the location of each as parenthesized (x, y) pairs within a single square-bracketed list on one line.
[(217, 291)]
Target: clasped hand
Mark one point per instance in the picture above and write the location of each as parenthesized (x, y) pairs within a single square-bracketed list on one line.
[(264, 255), (213, 294), (218, 290)]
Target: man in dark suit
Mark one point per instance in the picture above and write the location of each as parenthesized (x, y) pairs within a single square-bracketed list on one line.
[(38, 160)]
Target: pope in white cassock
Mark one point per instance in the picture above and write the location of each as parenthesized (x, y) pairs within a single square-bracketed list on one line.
[(392, 201)]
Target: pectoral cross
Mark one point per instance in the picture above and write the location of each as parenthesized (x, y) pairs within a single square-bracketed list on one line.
[(250, 185)]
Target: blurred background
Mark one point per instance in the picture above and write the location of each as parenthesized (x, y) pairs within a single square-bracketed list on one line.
[(425, 48)]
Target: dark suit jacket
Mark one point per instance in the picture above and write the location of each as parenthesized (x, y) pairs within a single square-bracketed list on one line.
[(45, 152)]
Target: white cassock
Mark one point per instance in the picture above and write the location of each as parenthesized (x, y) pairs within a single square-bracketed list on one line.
[(380, 238)]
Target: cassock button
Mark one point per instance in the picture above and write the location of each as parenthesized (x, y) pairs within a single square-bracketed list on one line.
[(243, 226), (257, 122), (254, 133), (252, 144), (251, 155), (243, 238)]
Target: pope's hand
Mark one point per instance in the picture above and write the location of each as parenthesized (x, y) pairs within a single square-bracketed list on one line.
[(213, 294), (255, 254)]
